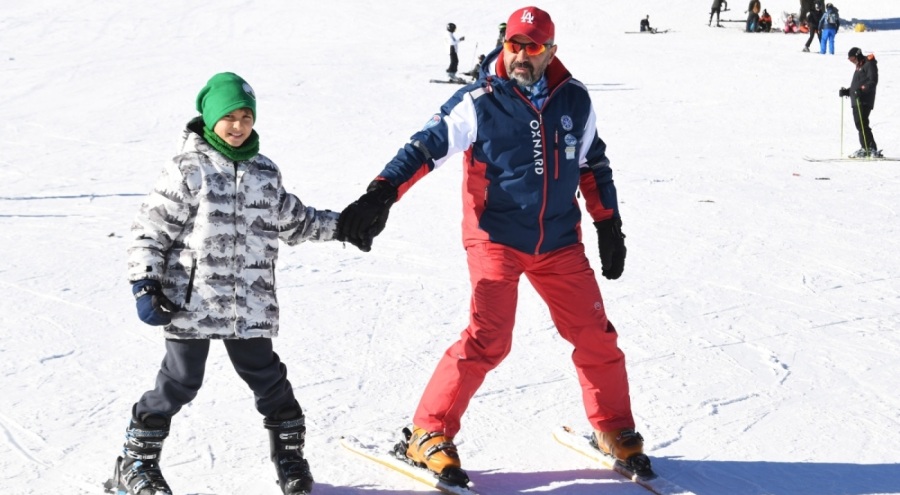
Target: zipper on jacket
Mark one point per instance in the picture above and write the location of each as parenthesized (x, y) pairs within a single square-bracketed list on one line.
[(556, 155), (537, 247), (190, 286)]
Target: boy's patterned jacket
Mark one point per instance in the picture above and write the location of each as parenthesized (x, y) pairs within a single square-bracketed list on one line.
[(209, 233)]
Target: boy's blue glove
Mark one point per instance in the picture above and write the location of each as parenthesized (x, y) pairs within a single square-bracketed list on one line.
[(153, 307)]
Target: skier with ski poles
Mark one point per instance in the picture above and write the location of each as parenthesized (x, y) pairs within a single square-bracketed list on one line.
[(862, 96)]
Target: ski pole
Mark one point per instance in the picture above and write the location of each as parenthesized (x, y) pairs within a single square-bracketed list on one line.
[(862, 128), (475, 54), (842, 127)]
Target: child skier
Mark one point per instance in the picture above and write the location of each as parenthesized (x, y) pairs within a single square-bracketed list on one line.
[(202, 263), (454, 52)]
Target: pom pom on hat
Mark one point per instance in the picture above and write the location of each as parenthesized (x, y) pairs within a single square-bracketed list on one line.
[(224, 93)]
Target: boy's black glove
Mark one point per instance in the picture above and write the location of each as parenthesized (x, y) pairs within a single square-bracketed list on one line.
[(366, 217), (612, 247), (843, 92), (153, 307)]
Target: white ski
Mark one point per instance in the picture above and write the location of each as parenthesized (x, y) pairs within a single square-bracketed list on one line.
[(383, 457), (582, 444)]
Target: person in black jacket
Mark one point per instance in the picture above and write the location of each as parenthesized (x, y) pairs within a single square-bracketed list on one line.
[(862, 94), (812, 22), (717, 11), (806, 6)]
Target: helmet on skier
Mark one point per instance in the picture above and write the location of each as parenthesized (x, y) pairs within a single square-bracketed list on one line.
[(502, 26), (451, 27), (856, 53)]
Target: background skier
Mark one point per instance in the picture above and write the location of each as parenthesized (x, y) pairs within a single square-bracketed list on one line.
[(812, 21), (862, 96), (454, 52), (828, 26), (717, 11)]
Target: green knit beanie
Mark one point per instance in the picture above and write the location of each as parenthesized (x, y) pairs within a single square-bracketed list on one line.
[(224, 93)]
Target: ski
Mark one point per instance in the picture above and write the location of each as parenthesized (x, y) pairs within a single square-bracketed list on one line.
[(849, 160), (386, 459), (447, 81), (582, 444), (652, 31)]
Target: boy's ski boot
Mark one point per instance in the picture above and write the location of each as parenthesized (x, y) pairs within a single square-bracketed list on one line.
[(137, 470), (287, 436), (627, 447), (432, 451)]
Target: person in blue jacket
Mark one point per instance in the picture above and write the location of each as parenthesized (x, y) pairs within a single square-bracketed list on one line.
[(528, 132), (828, 26)]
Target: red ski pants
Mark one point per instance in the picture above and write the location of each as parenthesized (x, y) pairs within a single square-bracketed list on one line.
[(566, 282)]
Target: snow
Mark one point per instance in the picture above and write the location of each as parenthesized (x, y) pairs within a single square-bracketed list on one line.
[(758, 309)]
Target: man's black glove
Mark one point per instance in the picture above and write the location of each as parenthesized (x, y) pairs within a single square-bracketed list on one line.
[(612, 247), (366, 217), (843, 92), (153, 307)]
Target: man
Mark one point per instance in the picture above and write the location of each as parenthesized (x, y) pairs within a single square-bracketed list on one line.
[(812, 22), (862, 93), (530, 141)]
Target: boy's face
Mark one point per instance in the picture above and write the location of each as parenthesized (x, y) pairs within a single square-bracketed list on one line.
[(235, 127)]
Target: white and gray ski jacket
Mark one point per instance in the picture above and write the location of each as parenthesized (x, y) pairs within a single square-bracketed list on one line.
[(209, 233)]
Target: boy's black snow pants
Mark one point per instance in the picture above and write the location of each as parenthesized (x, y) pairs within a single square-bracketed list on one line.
[(181, 375)]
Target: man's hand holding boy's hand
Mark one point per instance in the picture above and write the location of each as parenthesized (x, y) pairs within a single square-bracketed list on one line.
[(366, 217)]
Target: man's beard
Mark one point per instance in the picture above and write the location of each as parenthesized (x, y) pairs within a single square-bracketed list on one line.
[(524, 80)]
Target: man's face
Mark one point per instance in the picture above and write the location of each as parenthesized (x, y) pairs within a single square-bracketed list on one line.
[(853, 60), (523, 68)]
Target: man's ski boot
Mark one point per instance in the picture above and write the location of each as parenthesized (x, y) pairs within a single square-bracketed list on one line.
[(287, 436), (866, 153), (137, 470), (627, 447), (432, 451), (454, 78)]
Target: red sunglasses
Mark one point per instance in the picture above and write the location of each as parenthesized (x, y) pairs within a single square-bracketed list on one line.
[(531, 49)]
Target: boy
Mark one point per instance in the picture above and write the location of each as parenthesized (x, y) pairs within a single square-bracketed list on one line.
[(202, 263)]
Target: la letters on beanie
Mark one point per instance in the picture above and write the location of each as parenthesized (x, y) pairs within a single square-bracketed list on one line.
[(224, 93)]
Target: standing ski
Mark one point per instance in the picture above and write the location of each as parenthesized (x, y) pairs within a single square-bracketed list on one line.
[(387, 459), (852, 159), (584, 446), (449, 81)]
